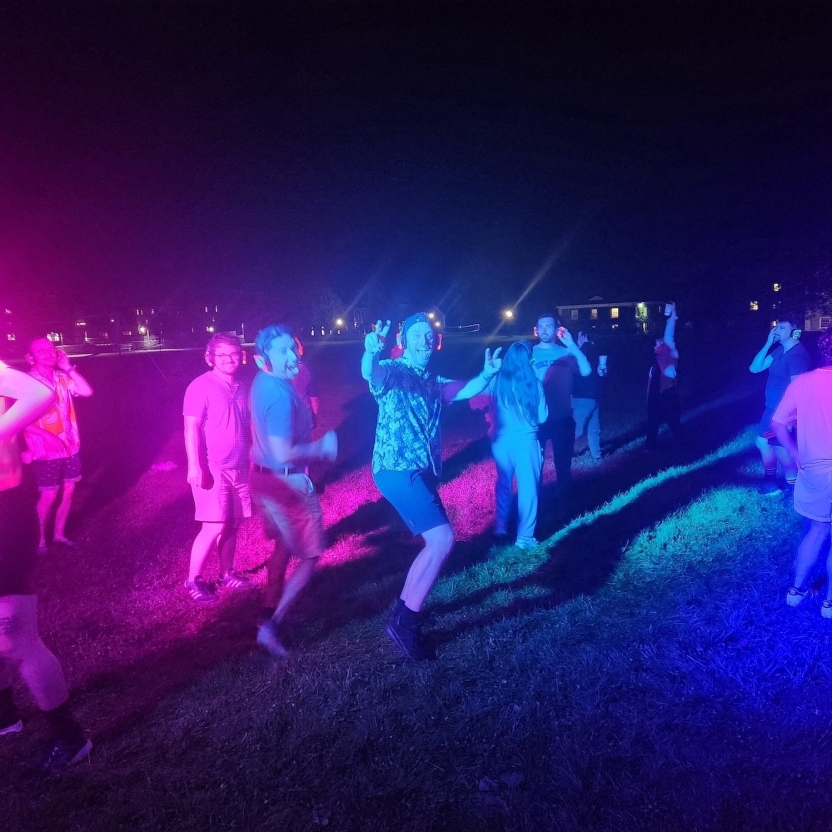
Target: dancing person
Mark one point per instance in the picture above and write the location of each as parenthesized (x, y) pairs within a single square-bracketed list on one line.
[(217, 438), (281, 488), (517, 409), (807, 402), (53, 440), (407, 458), (557, 360), (663, 404), (586, 397), (784, 364), (22, 652)]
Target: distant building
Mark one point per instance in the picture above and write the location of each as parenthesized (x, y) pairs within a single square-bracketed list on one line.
[(626, 316)]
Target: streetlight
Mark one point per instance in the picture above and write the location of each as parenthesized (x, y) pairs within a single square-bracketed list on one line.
[(339, 322), (508, 314)]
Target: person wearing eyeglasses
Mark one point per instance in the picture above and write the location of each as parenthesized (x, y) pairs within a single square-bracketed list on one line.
[(217, 440)]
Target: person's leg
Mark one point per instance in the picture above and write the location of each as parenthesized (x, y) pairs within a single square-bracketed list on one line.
[(581, 409), (425, 568), (808, 550), (201, 547), (62, 512), (786, 463), (227, 545), (501, 450), (544, 436), (654, 422), (593, 430), (527, 470), (563, 443), (45, 502), (672, 409)]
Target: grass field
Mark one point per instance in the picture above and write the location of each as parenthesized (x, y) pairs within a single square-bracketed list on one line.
[(640, 670)]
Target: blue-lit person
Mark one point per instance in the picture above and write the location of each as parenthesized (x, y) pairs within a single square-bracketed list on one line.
[(785, 358), (407, 458), (807, 403), (517, 407)]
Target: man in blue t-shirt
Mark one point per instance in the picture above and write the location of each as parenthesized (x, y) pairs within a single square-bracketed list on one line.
[(281, 489), (784, 363)]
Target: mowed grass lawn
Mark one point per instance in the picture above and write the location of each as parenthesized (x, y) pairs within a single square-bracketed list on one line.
[(640, 670)]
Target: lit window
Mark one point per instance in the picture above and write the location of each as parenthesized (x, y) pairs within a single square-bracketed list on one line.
[(593, 314), (8, 311), (574, 314), (10, 337), (777, 287), (614, 312), (825, 322), (754, 306)]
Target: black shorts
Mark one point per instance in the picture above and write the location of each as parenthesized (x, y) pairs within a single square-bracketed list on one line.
[(415, 496), (764, 428), (51, 473)]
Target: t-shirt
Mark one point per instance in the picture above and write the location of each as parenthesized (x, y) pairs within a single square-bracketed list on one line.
[(506, 421), (408, 436), (588, 387), (59, 420), (557, 369), (222, 411), (807, 403), (784, 365), (276, 410)]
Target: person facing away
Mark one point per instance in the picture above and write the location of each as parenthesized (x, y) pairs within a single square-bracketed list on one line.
[(586, 397), (217, 439), (407, 458), (807, 403), (663, 404), (557, 360), (22, 652), (785, 358), (517, 407), (53, 439)]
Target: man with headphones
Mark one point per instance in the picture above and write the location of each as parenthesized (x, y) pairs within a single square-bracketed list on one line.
[(283, 493), (784, 363), (407, 457), (217, 440), (53, 439)]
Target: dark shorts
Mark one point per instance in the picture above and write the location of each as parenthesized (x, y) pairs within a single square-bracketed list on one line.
[(50, 473), (415, 496), (764, 428)]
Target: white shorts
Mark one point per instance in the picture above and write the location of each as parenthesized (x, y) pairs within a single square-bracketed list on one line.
[(228, 497), (813, 494)]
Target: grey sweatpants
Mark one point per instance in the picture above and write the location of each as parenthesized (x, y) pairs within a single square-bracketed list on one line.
[(517, 455)]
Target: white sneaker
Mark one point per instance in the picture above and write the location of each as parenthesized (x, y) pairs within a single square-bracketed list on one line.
[(526, 542)]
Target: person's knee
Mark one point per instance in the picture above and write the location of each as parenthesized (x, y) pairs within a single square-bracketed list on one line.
[(762, 446), (441, 539)]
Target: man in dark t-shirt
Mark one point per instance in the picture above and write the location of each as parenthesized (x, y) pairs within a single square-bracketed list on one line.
[(586, 396), (282, 447), (556, 360), (787, 360)]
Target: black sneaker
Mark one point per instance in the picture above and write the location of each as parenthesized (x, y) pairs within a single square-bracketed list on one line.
[(788, 493), (409, 639), (61, 754), (769, 487)]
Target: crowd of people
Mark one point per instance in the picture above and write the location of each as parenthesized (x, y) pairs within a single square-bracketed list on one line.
[(251, 450)]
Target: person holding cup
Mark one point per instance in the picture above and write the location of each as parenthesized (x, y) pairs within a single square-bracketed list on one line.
[(662, 394), (586, 395)]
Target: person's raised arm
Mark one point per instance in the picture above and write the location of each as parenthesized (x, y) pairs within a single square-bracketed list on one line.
[(458, 391), (670, 331), (371, 370), (31, 400), (762, 361), (80, 386), (565, 336)]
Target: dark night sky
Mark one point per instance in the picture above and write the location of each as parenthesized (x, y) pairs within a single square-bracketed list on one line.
[(216, 146)]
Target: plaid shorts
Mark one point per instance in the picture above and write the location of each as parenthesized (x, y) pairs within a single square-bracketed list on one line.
[(50, 473)]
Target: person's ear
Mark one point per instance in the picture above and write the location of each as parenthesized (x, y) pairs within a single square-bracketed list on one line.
[(30, 359), (208, 360), (262, 363)]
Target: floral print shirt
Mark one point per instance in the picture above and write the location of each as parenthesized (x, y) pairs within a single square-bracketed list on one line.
[(408, 436)]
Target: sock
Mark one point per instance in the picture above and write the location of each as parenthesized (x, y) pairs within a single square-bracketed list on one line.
[(771, 472), (409, 618), (62, 725), (790, 482), (8, 710)]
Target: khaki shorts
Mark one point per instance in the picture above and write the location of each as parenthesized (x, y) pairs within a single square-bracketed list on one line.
[(228, 498), (291, 511), (813, 493)]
